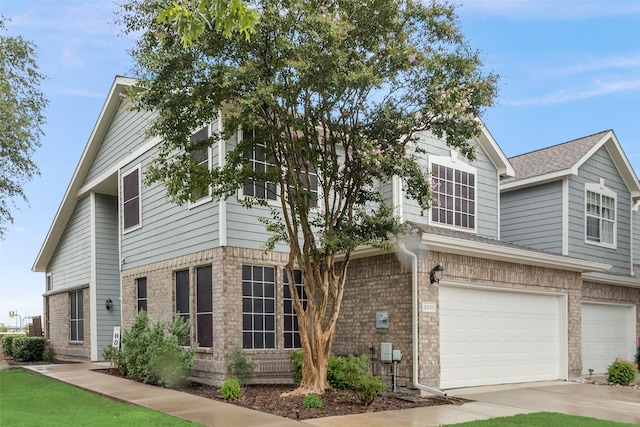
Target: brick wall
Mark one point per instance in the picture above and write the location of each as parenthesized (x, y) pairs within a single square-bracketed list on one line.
[(211, 363), (596, 292), (59, 335)]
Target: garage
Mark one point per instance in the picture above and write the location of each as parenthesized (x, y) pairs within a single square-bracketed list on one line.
[(492, 336), (608, 332)]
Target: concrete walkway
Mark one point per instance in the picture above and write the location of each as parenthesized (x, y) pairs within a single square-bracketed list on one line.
[(604, 402)]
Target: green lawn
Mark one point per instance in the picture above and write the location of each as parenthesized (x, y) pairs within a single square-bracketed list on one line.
[(543, 419), (33, 400)]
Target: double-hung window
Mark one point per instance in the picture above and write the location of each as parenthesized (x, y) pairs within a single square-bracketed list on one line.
[(258, 307), (204, 306), (600, 214), (76, 316), (291, 328), (182, 297), (131, 199), (260, 163), (454, 194), (141, 290), (203, 158)]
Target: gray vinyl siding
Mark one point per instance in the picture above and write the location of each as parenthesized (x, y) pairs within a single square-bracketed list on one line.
[(107, 268), (636, 237), (168, 230), (487, 197), (70, 265), (599, 166), (125, 134), (533, 217)]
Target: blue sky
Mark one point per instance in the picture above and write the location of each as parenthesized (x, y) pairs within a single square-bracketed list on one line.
[(567, 69)]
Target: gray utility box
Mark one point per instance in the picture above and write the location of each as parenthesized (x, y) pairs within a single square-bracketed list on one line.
[(386, 352)]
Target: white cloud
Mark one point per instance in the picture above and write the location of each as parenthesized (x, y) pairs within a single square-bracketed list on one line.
[(598, 88)]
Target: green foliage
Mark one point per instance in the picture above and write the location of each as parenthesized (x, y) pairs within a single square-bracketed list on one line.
[(297, 357), (241, 367), (230, 389), (154, 353), (336, 95), (312, 401), (48, 355), (22, 111), (7, 344), (622, 372), (115, 357), (367, 387), (28, 348)]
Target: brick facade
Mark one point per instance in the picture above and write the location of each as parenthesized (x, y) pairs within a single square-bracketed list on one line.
[(597, 292), (59, 326)]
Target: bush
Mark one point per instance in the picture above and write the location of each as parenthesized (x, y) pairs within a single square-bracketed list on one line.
[(312, 401), (297, 356), (622, 372), (48, 355), (7, 344), (115, 357), (368, 387), (241, 367), (28, 348), (230, 389), (155, 354)]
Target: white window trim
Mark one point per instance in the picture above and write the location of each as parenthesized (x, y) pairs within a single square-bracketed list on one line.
[(452, 161), (602, 190), (121, 197), (205, 199)]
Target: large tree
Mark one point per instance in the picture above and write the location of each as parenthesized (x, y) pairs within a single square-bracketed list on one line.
[(22, 107), (331, 95)]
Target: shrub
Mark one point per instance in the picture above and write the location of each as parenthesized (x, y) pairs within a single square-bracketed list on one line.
[(622, 372), (312, 401), (28, 348), (7, 344), (241, 367), (48, 355), (368, 387), (115, 357), (155, 354), (297, 356), (230, 389)]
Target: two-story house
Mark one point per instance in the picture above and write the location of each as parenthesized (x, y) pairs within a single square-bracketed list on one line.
[(501, 313), (580, 199)]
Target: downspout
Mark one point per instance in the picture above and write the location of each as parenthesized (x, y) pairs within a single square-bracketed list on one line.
[(414, 309)]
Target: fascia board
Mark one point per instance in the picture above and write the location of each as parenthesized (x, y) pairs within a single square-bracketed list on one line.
[(537, 180), (610, 279), (509, 254), (70, 197), (495, 154)]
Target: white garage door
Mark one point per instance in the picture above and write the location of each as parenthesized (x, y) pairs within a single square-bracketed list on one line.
[(498, 337), (608, 332)]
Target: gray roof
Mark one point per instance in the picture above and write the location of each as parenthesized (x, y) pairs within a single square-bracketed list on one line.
[(553, 159)]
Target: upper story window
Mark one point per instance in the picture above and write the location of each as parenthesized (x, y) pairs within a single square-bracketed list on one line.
[(600, 214), (454, 193), (259, 163), (203, 157), (131, 208)]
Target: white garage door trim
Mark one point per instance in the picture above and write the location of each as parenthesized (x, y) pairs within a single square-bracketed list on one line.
[(608, 331), (473, 322)]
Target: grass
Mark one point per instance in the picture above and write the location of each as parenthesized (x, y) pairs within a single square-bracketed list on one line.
[(29, 399), (543, 419)]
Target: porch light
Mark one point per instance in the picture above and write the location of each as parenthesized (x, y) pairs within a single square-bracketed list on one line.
[(436, 273), (109, 304)]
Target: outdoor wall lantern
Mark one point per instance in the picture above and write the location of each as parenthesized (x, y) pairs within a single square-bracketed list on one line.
[(109, 303), (436, 273)]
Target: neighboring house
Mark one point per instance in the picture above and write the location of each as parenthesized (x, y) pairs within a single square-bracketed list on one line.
[(502, 313), (581, 199)]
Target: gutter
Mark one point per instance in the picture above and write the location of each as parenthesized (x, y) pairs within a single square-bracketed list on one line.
[(414, 287)]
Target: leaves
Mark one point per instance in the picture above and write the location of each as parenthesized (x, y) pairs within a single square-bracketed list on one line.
[(22, 107)]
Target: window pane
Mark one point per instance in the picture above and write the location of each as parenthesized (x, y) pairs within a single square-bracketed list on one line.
[(130, 185), (182, 292), (205, 330), (142, 287), (131, 213), (204, 289)]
